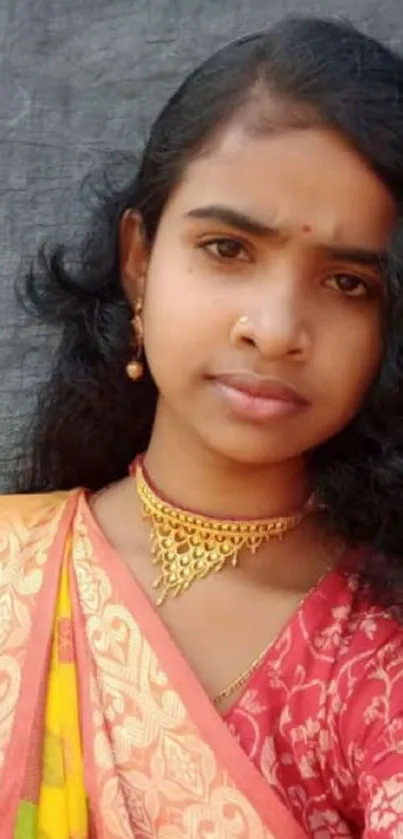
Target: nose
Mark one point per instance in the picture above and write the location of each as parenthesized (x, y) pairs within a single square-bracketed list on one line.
[(277, 326)]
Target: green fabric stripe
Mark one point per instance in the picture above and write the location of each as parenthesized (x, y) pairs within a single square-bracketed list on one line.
[(27, 821)]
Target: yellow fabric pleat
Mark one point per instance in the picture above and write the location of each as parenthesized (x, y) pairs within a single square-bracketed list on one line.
[(62, 812)]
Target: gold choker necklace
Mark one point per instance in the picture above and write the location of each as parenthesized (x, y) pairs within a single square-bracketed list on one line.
[(187, 547)]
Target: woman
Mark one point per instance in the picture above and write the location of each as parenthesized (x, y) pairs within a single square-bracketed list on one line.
[(202, 571)]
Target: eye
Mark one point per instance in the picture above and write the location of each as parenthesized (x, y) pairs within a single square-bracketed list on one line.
[(226, 249), (350, 285)]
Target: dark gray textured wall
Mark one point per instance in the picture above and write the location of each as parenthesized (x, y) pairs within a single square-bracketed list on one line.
[(79, 78)]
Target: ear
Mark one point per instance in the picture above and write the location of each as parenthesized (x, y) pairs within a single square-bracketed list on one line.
[(133, 254)]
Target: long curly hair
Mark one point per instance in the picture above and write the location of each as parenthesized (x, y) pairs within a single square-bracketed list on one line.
[(91, 420)]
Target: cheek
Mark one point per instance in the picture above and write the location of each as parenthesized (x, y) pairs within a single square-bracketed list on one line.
[(180, 321), (359, 354)]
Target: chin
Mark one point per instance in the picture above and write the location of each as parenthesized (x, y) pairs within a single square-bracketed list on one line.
[(244, 450)]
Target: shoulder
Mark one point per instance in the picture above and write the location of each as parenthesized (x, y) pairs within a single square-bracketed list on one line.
[(24, 511), (28, 524), (341, 621), (367, 638), (355, 648), (365, 677)]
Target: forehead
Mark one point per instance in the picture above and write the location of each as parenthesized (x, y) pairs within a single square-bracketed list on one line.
[(291, 179)]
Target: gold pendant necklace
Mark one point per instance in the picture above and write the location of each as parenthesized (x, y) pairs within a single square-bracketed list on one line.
[(187, 547)]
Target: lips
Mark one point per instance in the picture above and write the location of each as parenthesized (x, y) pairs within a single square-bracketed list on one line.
[(261, 387)]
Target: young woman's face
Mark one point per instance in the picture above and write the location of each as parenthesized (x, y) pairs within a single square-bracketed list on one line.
[(263, 293)]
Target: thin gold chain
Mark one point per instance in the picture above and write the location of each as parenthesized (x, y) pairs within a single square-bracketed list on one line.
[(241, 680)]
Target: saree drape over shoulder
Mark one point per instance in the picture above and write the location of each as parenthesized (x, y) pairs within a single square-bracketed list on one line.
[(104, 731)]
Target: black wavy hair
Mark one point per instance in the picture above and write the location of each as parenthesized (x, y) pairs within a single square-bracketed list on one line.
[(91, 420)]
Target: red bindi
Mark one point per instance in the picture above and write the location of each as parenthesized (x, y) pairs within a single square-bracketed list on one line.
[(306, 228)]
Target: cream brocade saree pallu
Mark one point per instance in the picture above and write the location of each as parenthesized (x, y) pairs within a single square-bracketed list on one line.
[(105, 732)]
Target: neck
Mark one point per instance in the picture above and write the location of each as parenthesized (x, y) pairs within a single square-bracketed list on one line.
[(198, 479)]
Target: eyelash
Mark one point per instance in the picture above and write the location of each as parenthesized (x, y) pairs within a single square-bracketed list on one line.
[(368, 288), (223, 240)]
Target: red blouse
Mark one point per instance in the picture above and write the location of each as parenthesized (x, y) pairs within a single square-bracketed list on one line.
[(322, 718)]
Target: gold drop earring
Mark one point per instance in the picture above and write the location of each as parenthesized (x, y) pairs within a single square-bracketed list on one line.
[(135, 368)]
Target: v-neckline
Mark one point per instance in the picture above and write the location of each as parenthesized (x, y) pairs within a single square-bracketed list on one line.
[(184, 681), (133, 590)]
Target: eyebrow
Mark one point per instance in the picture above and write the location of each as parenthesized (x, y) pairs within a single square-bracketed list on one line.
[(359, 256), (248, 224), (233, 218)]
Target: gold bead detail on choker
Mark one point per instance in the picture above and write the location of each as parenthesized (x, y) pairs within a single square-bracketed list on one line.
[(187, 547)]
